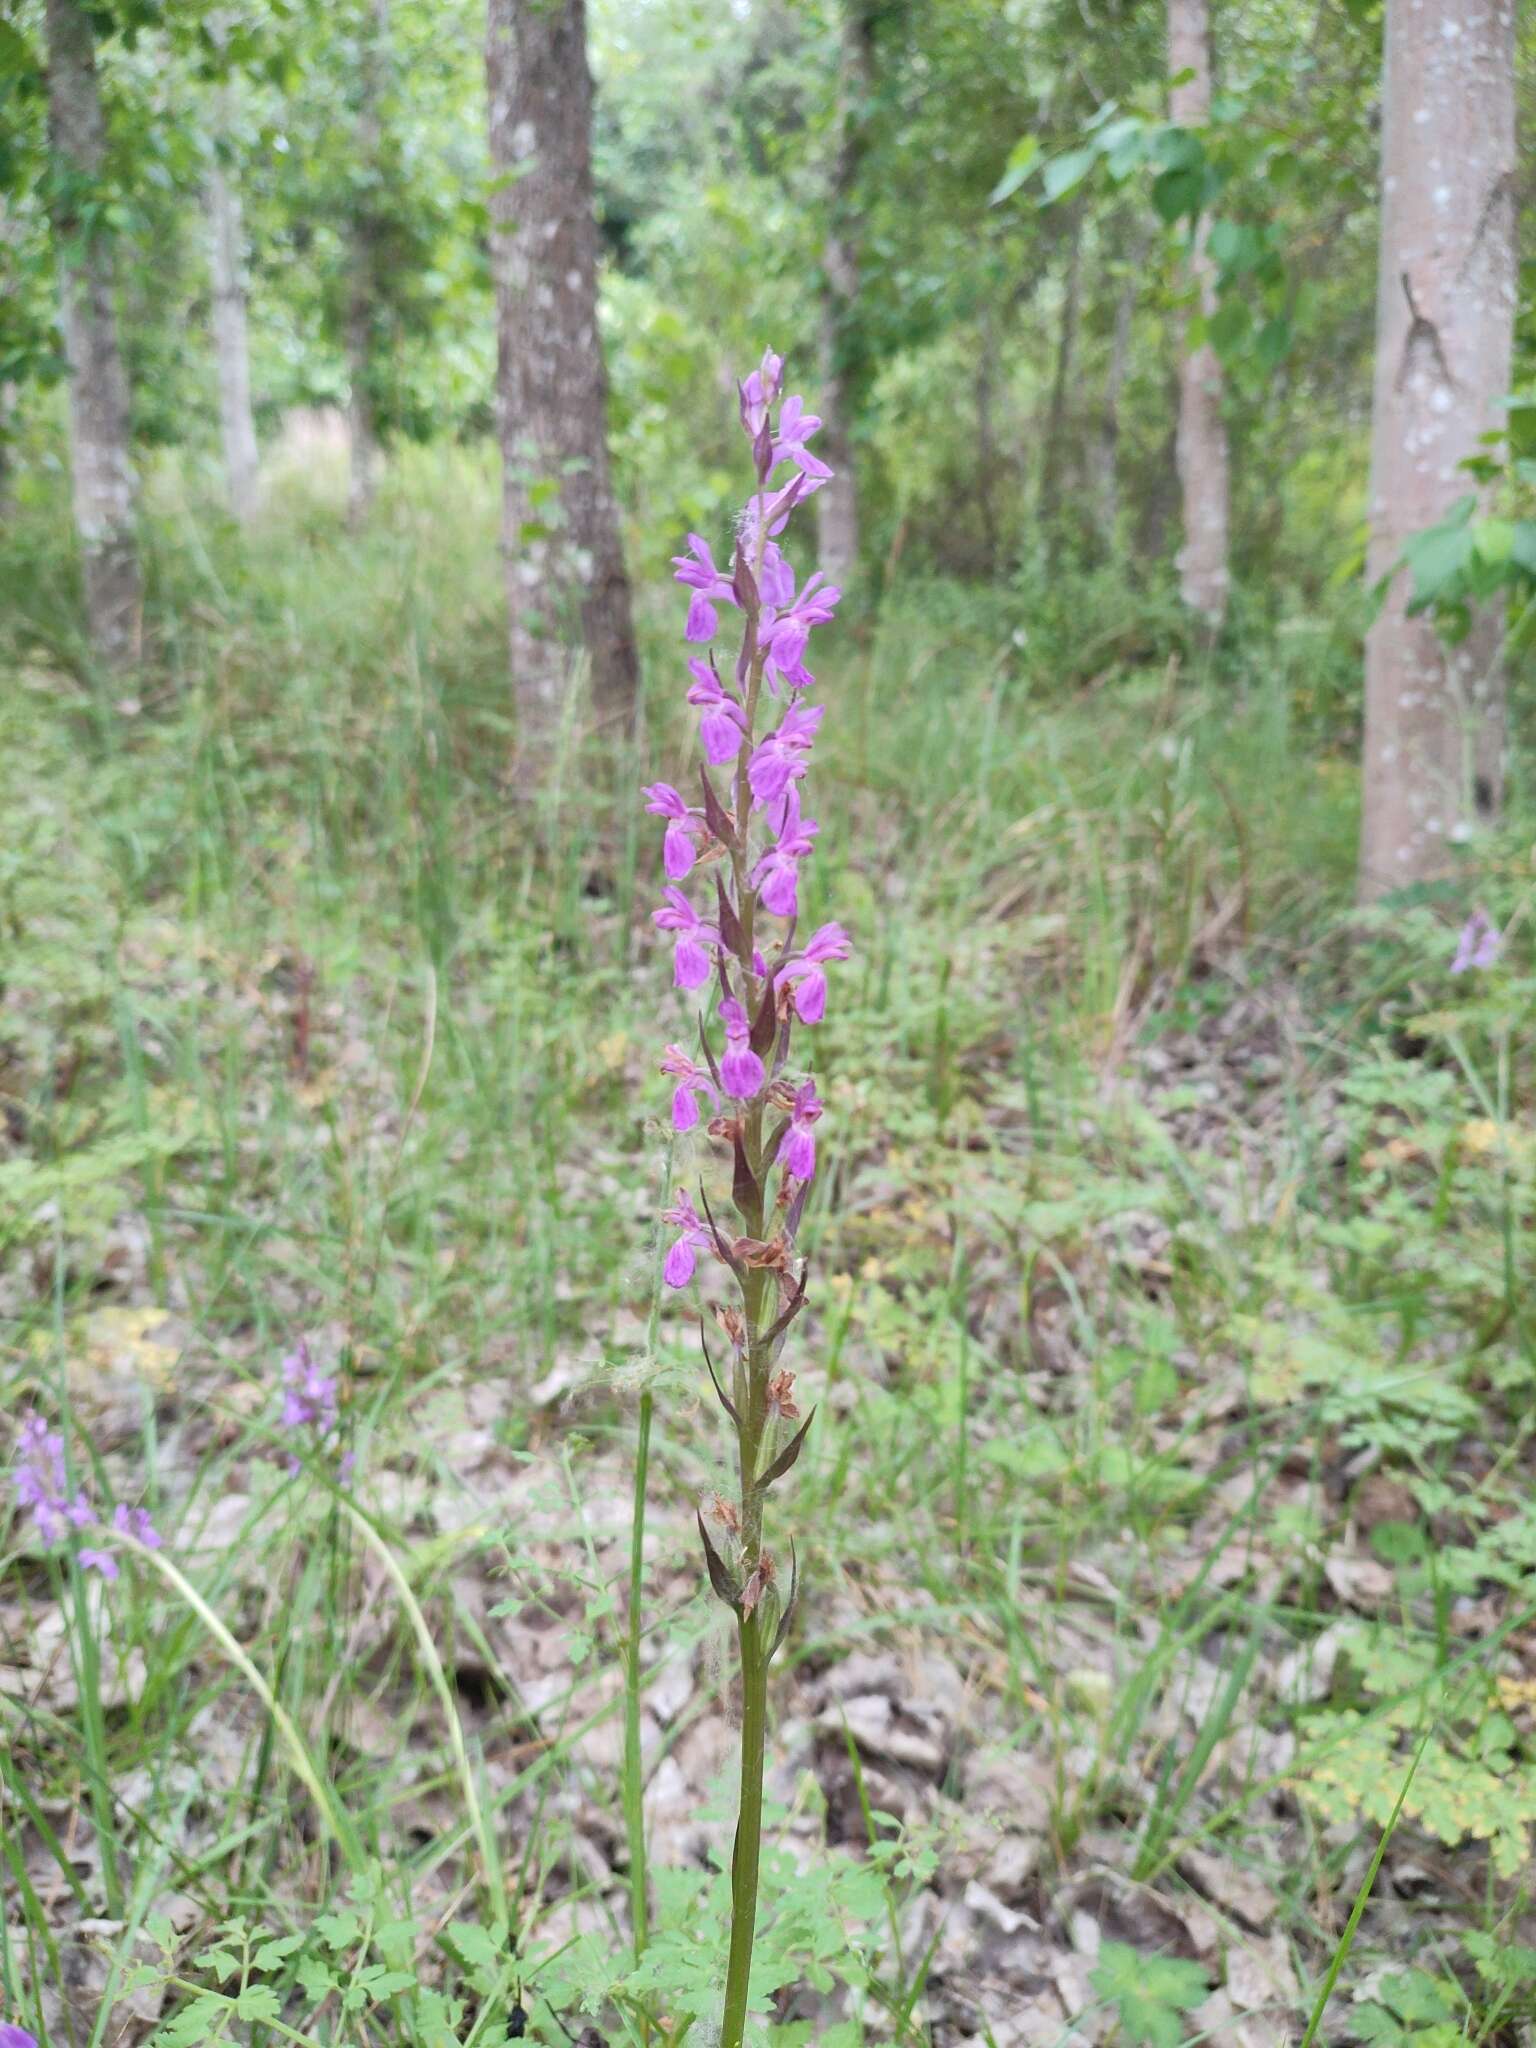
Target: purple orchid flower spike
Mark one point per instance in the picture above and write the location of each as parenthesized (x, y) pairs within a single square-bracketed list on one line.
[(695, 943), (1479, 943), (692, 1081), (692, 1238), (777, 875), (796, 427), (697, 569), (41, 1487), (685, 828), (784, 755), (741, 1071), (722, 722), (753, 819), (802, 971)]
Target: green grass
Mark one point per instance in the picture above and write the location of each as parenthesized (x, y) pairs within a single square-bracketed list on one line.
[(1157, 1222)]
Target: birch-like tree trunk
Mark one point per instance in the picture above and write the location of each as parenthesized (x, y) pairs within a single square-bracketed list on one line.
[(1434, 716), (105, 486), (1201, 445), (837, 503), (231, 344), (566, 582), (360, 321)]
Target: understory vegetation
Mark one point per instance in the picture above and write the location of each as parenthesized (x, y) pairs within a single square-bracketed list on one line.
[(1168, 1548)]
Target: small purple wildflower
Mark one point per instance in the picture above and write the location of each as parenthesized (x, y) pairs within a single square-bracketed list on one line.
[(695, 939), (15, 2037), (685, 827), (41, 1487), (802, 971), (1479, 943), (697, 569), (723, 723), (799, 1148), (784, 755), (692, 1081), (796, 427), (777, 875), (741, 1071), (310, 1404), (692, 1239), (758, 391)]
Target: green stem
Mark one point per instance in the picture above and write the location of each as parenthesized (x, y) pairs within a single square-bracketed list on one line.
[(746, 1856), (634, 1800)]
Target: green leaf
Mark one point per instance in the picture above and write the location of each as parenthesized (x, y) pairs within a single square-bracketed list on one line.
[(1062, 173), (1149, 1992), (1021, 161)]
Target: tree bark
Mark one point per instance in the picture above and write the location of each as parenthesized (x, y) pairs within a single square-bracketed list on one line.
[(105, 485), (1434, 716), (565, 575), (231, 345), (1201, 445), (365, 460), (837, 502)]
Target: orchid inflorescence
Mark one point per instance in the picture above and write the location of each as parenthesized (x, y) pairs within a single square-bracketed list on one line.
[(748, 836), (42, 1487)]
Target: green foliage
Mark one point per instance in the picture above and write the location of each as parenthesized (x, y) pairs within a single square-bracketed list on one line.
[(1152, 1994)]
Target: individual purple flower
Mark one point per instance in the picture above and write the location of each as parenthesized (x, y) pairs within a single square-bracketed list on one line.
[(692, 1238), (685, 827), (1479, 943), (15, 2037), (786, 636), (98, 1561), (697, 570), (777, 874), (135, 1522), (785, 754), (741, 1071), (723, 723), (798, 1152), (802, 971), (694, 941), (776, 584), (692, 1081), (796, 427), (758, 392)]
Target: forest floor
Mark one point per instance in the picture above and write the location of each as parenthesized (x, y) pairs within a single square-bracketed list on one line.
[(1166, 1530)]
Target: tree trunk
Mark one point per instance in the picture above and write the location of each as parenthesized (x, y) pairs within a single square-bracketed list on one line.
[(564, 555), (365, 460), (105, 486), (837, 503), (230, 343), (1434, 716), (1053, 460), (1201, 447)]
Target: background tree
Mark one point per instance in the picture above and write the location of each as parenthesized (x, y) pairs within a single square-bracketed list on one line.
[(105, 483), (1434, 714), (837, 505), (1204, 576), (564, 557)]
